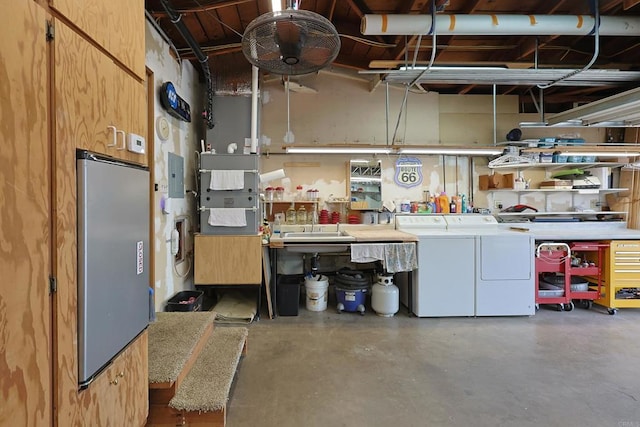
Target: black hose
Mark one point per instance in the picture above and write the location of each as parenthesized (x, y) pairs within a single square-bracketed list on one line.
[(176, 19), (351, 279)]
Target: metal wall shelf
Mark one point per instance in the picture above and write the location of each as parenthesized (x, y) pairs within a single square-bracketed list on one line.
[(554, 166)]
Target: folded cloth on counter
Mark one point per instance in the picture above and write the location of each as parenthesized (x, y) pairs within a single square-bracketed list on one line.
[(227, 180), (395, 257), (227, 217)]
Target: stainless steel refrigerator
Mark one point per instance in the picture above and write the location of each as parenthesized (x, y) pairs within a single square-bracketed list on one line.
[(113, 259)]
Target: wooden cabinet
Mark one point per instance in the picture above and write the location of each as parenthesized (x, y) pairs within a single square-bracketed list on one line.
[(97, 103), (119, 395), (228, 260), (59, 96), (116, 25), (91, 92), (25, 188)]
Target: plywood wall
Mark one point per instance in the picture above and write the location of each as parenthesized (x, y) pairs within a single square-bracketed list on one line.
[(25, 232)]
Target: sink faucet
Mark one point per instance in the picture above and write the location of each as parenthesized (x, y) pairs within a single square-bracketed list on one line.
[(313, 221), (338, 227)]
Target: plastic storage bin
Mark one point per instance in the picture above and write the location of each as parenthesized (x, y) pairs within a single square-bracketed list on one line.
[(185, 301), (288, 294)]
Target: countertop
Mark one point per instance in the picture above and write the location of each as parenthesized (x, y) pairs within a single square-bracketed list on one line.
[(576, 230), (361, 233), (568, 231)]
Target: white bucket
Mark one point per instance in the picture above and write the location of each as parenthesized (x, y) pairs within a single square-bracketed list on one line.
[(317, 290)]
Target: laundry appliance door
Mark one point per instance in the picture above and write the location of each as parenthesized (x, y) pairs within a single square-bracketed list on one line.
[(505, 281)]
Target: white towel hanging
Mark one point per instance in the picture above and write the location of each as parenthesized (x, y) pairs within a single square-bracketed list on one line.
[(227, 180), (227, 217)]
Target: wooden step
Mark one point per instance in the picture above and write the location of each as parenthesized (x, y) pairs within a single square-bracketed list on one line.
[(176, 339), (201, 398)]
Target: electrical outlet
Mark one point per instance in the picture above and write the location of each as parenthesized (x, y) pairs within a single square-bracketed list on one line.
[(164, 188), (594, 204), (497, 204)]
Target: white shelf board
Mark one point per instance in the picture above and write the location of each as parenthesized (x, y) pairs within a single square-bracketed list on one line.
[(554, 166), (554, 190)]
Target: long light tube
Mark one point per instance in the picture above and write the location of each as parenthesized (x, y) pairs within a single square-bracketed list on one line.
[(451, 151), (338, 150), (276, 5), (600, 153)]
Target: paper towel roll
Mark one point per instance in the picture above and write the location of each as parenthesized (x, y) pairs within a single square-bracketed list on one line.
[(273, 175)]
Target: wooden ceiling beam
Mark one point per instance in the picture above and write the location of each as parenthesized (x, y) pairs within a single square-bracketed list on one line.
[(628, 4), (203, 8), (361, 9)]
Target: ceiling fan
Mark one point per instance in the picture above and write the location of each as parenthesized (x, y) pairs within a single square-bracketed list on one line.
[(290, 42)]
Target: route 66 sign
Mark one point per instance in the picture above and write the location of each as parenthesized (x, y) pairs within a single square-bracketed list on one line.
[(408, 172)]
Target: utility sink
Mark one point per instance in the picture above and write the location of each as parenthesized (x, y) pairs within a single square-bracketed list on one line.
[(317, 241), (317, 236)]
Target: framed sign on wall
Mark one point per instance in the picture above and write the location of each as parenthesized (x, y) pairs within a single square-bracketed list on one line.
[(408, 172)]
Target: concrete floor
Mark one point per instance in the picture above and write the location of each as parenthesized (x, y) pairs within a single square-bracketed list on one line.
[(579, 368)]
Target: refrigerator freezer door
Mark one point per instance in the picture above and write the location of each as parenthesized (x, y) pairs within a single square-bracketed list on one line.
[(113, 259)]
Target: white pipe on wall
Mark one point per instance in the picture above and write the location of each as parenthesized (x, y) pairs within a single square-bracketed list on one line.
[(499, 25), (254, 109)]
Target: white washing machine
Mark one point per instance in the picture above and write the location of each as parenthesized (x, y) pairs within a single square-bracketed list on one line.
[(504, 266), (445, 279)]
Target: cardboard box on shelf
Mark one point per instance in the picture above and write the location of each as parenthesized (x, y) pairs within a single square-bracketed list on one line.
[(626, 181), (618, 203), (497, 180)]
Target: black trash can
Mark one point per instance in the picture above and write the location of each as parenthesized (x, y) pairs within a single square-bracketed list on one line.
[(185, 301), (288, 294)]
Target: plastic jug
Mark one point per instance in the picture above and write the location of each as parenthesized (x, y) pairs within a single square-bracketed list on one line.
[(444, 203)]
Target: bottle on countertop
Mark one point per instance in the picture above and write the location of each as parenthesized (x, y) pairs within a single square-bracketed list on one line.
[(444, 203), (452, 205), (463, 204), (290, 217), (459, 204), (277, 224), (432, 205), (302, 215)]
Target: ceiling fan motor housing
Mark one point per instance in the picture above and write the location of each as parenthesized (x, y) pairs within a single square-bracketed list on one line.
[(291, 42)]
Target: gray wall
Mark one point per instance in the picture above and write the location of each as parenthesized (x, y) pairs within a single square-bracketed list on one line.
[(232, 118)]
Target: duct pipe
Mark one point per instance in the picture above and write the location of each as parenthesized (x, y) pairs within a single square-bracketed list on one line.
[(176, 19), (254, 109), (499, 25)]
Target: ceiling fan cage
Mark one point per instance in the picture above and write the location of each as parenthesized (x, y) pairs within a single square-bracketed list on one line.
[(291, 42)]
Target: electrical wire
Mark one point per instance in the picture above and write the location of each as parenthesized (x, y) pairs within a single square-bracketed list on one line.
[(175, 268), (596, 50)]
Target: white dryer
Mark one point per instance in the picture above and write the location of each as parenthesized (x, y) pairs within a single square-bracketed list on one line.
[(504, 266)]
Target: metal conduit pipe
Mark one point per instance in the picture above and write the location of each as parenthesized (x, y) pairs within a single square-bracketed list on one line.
[(499, 25)]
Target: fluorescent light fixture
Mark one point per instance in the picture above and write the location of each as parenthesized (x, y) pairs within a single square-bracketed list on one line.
[(600, 153), (276, 5), (440, 68), (365, 179), (451, 150), (621, 110), (532, 124), (338, 150)]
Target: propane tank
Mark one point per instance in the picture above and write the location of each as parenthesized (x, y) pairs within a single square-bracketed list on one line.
[(385, 296)]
